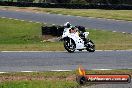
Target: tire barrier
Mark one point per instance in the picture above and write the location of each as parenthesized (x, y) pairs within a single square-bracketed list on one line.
[(69, 5), (52, 30)]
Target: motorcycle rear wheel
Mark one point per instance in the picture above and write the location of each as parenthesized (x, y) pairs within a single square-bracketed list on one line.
[(91, 47)]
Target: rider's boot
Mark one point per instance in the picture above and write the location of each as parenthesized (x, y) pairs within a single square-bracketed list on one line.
[(86, 42)]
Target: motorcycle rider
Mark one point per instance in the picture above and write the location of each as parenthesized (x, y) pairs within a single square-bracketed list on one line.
[(72, 29)]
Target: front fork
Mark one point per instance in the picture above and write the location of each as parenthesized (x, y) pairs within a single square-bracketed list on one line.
[(70, 43)]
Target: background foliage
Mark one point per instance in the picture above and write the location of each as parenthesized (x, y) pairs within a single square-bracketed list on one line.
[(77, 1)]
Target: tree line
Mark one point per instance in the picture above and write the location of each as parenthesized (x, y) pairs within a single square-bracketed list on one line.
[(76, 1), (88, 1)]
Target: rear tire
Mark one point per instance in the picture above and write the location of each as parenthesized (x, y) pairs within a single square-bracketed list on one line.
[(91, 47), (69, 47)]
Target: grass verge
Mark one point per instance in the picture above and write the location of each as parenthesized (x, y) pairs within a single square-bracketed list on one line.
[(97, 13), (39, 84), (38, 80), (23, 35), (48, 79)]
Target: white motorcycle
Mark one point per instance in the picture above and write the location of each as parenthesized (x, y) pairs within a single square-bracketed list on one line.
[(73, 40)]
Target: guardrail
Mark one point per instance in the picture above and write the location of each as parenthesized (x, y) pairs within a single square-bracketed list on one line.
[(67, 5)]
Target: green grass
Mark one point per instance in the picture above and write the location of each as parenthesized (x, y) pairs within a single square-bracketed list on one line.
[(46, 74), (48, 79), (19, 32), (46, 46), (38, 80), (97, 13), (23, 35), (111, 40), (18, 35), (39, 84)]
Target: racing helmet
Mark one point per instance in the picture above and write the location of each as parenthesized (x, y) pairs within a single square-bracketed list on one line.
[(67, 25)]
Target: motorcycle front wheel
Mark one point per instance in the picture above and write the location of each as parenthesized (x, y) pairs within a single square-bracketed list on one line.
[(91, 46), (69, 45)]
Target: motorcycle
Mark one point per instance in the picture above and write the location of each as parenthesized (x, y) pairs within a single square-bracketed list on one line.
[(75, 40)]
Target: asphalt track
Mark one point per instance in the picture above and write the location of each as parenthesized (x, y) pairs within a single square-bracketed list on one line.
[(111, 25), (49, 61), (62, 61)]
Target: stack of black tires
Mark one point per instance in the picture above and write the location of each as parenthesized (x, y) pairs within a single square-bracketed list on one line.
[(52, 30)]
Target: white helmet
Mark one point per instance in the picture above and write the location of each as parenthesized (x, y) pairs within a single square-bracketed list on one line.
[(67, 25)]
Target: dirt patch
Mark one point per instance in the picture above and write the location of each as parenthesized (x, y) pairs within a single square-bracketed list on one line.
[(20, 78), (50, 38), (46, 37), (23, 9)]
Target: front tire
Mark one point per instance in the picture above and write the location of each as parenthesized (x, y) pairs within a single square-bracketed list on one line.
[(69, 45)]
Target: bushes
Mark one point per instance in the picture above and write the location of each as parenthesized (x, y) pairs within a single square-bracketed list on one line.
[(68, 5)]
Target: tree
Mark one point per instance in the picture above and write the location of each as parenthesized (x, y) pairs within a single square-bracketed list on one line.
[(63, 1), (78, 1)]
